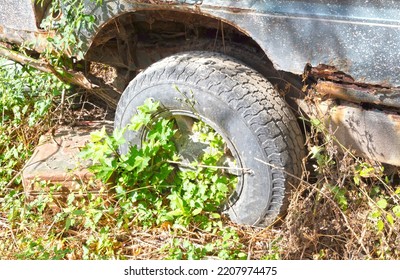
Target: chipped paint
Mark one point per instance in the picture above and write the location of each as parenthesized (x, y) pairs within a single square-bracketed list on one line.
[(359, 38), (350, 92), (374, 134)]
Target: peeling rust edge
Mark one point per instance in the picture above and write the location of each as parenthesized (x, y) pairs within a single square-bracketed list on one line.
[(373, 134), (36, 41), (353, 93)]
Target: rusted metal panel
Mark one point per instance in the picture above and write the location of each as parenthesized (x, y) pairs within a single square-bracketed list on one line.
[(18, 15), (374, 134), (360, 37), (38, 40), (18, 24), (353, 93)]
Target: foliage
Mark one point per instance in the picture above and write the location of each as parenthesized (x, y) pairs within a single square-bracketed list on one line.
[(149, 191), (26, 98), (150, 187), (28, 95), (65, 39), (153, 205), (348, 206)]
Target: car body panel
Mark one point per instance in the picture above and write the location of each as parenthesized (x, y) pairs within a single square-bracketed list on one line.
[(360, 38), (350, 48)]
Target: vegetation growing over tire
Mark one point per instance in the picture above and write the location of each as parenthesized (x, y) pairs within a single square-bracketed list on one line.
[(237, 102)]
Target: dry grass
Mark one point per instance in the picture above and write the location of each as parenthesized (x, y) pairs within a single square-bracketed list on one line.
[(330, 216)]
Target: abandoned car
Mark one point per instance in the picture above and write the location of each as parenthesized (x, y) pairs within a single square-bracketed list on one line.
[(233, 58)]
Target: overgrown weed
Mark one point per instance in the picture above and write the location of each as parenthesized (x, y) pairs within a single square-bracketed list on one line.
[(345, 208)]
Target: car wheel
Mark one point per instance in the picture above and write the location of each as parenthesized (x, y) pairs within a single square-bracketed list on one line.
[(259, 129)]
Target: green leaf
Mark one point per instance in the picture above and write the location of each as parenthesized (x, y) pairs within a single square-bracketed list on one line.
[(141, 163), (382, 203), (138, 121), (78, 212), (356, 179), (376, 214), (118, 135), (120, 190), (97, 136), (215, 215), (97, 216), (376, 190), (177, 202), (340, 197), (315, 122), (380, 225), (366, 170), (149, 106), (390, 219), (242, 256), (174, 213), (396, 210), (68, 223), (209, 247), (71, 198), (197, 211)]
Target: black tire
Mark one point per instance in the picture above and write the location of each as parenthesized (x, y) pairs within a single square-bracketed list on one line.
[(245, 109)]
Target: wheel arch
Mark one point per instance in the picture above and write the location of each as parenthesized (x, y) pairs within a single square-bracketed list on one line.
[(138, 51)]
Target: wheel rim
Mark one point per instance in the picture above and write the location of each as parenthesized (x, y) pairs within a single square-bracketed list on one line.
[(191, 149)]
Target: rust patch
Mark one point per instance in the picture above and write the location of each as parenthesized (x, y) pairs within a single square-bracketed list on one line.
[(396, 122), (330, 73), (374, 134), (354, 93)]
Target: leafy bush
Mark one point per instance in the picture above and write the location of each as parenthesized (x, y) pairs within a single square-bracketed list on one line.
[(150, 182), (26, 100), (153, 187)]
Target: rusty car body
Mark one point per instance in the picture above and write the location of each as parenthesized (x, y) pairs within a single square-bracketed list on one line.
[(346, 52), (350, 48)]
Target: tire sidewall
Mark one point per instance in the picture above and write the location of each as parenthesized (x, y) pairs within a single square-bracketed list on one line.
[(251, 200)]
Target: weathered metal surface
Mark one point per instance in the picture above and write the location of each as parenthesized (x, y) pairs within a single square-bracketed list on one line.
[(372, 95), (18, 15), (352, 43), (360, 37), (374, 134), (329, 73), (38, 40)]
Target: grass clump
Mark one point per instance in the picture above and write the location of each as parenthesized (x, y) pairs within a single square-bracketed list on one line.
[(346, 208)]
